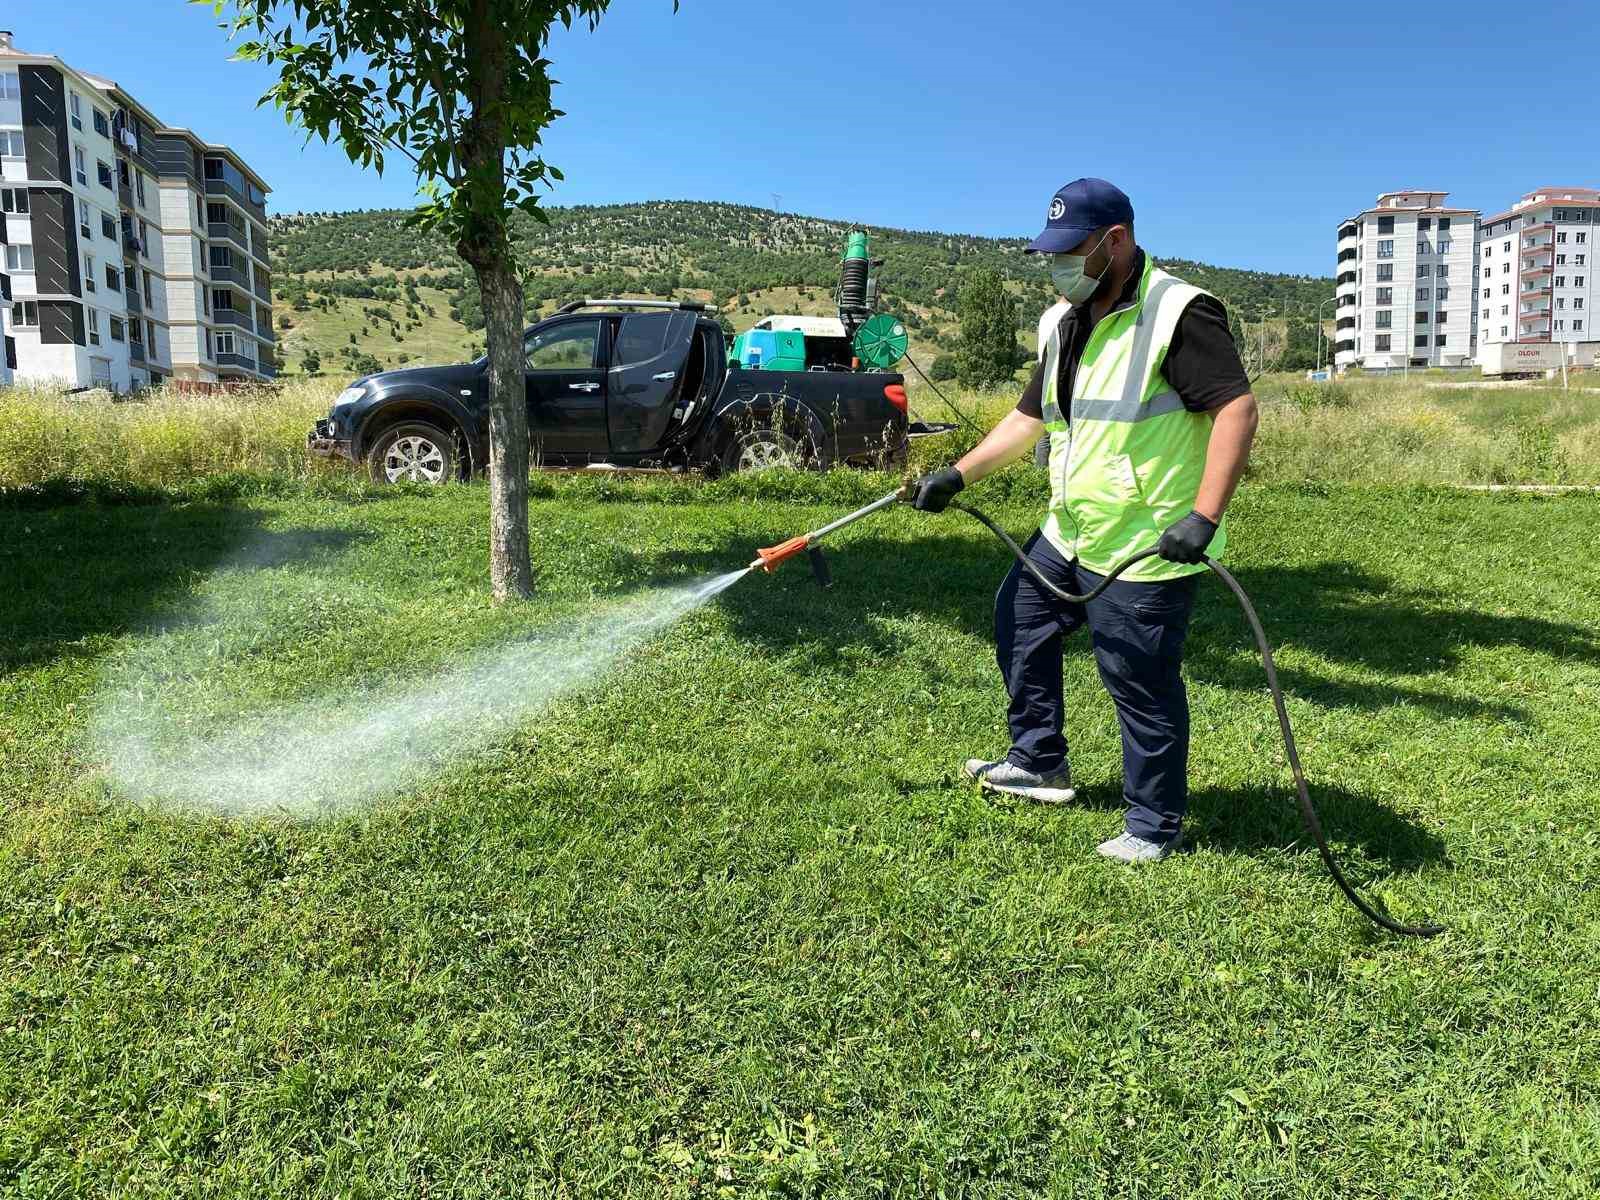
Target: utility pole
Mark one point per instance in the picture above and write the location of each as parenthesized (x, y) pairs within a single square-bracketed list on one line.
[(777, 202)]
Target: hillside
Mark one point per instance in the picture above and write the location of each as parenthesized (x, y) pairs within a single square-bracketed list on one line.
[(361, 288)]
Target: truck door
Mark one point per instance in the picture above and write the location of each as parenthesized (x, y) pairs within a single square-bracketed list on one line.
[(566, 388), (648, 355)]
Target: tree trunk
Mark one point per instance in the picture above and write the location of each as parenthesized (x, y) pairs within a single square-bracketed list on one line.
[(510, 568), (484, 244)]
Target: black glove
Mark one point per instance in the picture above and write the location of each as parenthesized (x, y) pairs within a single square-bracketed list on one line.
[(934, 491), (1185, 541)]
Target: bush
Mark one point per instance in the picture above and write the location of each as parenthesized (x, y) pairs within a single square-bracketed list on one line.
[(943, 368)]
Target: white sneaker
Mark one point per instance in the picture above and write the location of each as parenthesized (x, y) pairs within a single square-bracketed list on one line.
[(1005, 776), (1125, 847)]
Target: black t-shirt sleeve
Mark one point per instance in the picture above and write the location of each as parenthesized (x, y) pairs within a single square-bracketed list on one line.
[(1202, 364), (1032, 402)]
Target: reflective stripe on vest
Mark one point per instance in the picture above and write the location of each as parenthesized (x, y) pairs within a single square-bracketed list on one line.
[(1130, 461)]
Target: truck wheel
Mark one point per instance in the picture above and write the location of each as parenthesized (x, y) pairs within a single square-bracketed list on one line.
[(762, 449), (414, 451)]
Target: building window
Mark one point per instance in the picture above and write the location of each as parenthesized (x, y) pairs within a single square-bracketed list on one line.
[(1577, 302), (1503, 330), (138, 186), (1561, 281), (88, 272), (1505, 310), (1423, 247), (1577, 326), (19, 259), (1424, 222), (1505, 248), (1444, 245), (108, 227), (208, 343), (25, 314), (1577, 281), (103, 172), (117, 333), (1386, 295), (75, 103), (1560, 325), (222, 300), (91, 324), (148, 289), (1444, 223), (1386, 249), (1385, 225), (1440, 339), (224, 343), (1443, 272), (102, 124), (1422, 318), (1505, 289), (1577, 260), (1441, 318), (14, 200), (1383, 318), (1422, 295), (1443, 294), (1421, 342), (1582, 238), (1486, 292), (11, 144), (1380, 342), (1385, 272), (10, 86), (113, 280)]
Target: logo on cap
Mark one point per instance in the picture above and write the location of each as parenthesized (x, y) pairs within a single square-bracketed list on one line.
[(1058, 208)]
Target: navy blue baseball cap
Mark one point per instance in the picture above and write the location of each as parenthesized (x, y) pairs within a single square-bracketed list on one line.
[(1077, 210)]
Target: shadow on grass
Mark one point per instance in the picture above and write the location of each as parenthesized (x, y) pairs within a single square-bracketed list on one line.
[(1335, 610), (89, 570), (1249, 820)]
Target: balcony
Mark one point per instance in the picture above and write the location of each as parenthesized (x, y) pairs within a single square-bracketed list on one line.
[(225, 229), (136, 350), (1348, 277), (124, 194), (223, 187), (230, 316), (1344, 323), (1530, 272), (1347, 256), (258, 245), (263, 286), (241, 361), (264, 330), (1347, 232), (131, 293), (234, 275)]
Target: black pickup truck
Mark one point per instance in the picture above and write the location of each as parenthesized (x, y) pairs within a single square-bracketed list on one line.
[(626, 383)]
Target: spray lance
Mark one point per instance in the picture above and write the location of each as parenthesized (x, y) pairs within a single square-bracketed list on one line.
[(807, 543)]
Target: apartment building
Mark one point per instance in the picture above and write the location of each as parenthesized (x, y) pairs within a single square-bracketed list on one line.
[(1536, 277), (1406, 284), (8, 344), (113, 223)]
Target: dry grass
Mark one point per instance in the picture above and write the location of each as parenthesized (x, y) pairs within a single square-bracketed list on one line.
[(161, 439), (1357, 431)]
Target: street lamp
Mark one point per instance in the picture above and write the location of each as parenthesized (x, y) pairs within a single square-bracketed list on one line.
[(1335, 296)]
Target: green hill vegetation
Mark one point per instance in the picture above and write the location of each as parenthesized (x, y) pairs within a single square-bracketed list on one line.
[(361, 290)]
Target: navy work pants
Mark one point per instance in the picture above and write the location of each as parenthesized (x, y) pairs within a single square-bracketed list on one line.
[(1136, 631)]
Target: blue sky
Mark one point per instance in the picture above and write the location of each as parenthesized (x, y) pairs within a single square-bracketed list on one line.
[(1242, 133)]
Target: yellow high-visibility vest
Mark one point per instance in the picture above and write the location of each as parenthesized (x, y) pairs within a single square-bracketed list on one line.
[(1129, 462)]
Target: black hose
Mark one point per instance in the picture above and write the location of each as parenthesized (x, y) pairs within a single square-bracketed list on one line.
[(948, 403), (1308, 811)]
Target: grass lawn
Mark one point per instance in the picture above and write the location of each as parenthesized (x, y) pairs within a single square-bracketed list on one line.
[(723, 922)]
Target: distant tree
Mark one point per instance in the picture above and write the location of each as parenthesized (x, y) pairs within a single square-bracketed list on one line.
[(987, 351), (462, 89), (311, 362), (942, 368)]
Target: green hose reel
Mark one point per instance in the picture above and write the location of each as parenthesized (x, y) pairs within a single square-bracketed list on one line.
[(881, 341)]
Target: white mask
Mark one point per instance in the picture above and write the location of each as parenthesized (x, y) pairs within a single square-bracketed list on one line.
[(1066, 271)]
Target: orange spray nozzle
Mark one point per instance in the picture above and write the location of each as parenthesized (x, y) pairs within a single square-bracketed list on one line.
[(773, 555)]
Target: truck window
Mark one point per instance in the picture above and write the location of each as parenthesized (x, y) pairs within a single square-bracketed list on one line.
[(641, 337), (567, 347)]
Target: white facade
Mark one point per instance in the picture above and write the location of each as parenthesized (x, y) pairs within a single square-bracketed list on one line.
[(1536, 272), (1406, 284), (102, 295)]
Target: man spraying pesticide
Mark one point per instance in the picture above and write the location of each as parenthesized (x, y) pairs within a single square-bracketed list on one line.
[(1151, 418)]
